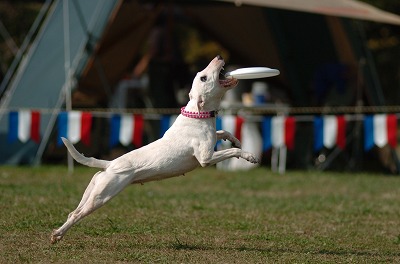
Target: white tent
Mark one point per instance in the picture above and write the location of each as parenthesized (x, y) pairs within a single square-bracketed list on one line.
[(340, 8)]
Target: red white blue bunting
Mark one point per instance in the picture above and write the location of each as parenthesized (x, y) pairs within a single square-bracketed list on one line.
[(278, 131), (232, 124), (126, 129), (23, 125), (75, 126), (329, 131), (380, 130)]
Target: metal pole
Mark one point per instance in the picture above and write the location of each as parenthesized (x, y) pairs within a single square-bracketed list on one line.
[(67, 67), (9, 40)]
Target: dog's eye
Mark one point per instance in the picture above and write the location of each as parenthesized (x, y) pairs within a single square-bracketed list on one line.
[(203, 78)]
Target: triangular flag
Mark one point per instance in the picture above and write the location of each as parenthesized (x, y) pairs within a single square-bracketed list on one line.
[(329, 131), (75, 126), (24, 125), (126, 129), (278, 131), (380, 130), (232, 124)]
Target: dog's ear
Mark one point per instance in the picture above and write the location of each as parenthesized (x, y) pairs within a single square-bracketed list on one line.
[(200, 104), (199, 101)]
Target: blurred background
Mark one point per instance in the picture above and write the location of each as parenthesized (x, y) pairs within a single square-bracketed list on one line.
[(336, 58)]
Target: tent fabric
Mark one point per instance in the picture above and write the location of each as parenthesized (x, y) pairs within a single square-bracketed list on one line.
[(341, 8), (248, 26), (40, 78), (46, 57), (127, 32)]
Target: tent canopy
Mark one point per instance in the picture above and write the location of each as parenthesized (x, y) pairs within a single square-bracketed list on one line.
[(341, 8)]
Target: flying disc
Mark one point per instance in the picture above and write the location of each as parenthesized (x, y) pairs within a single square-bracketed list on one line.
[(252, 73)]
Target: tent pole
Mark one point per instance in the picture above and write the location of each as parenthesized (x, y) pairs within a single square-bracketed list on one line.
[(67, 67), (90, 50), (49, 127), (67, 55), (8, 39)]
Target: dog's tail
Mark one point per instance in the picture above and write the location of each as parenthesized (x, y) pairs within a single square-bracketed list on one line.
[(91, 162)]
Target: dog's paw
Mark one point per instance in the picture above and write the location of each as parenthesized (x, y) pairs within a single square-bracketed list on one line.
[(235, 142), (224, 135), (55, 237), (250, 157)]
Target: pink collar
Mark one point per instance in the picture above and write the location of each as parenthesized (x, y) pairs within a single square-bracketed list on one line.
[(198, 115)]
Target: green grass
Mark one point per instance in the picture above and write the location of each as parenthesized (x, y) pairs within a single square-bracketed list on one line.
[(207, 216)]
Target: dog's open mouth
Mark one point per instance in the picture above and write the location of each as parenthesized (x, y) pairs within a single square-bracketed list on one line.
[(227, 82)]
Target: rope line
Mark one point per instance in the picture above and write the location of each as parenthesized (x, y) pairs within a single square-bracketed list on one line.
[(234, 110)]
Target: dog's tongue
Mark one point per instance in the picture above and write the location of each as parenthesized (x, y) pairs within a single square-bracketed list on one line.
[(229, 82)]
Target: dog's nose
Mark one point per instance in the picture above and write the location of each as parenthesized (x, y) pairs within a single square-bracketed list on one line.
[(219, 57)]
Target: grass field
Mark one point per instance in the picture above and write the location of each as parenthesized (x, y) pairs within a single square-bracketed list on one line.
[(207, 216)]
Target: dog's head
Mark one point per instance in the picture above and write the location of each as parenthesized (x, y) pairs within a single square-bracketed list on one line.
[(208, 88)]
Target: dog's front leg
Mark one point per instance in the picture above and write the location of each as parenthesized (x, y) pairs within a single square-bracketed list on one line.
[(208, 158), (225, 135)]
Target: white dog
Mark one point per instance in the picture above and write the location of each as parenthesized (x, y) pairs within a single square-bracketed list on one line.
[(187, 144)]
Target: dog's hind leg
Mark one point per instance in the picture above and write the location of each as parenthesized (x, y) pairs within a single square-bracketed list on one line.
[(100, 190), (87, 192)]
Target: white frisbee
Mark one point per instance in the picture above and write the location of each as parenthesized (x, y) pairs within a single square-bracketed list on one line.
[(252, 73)]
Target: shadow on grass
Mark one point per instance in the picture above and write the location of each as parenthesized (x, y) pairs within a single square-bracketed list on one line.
[(179, 245)]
